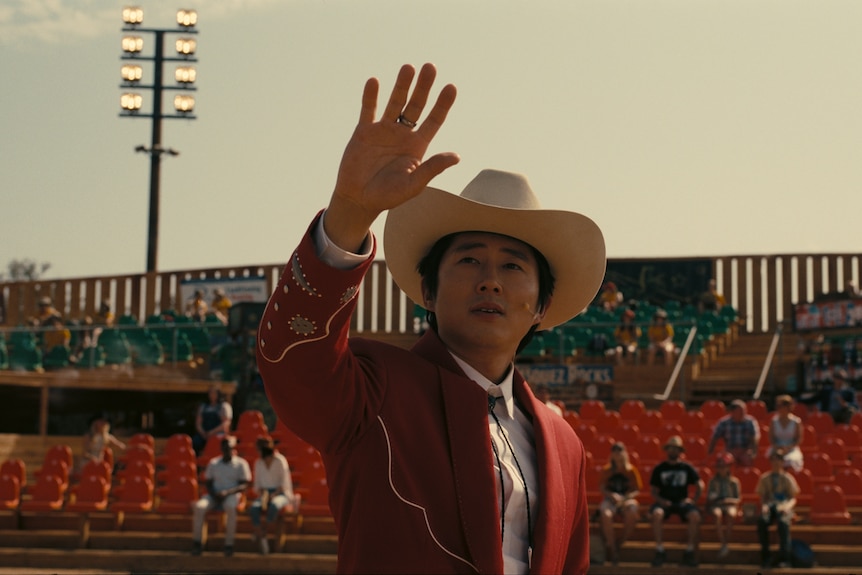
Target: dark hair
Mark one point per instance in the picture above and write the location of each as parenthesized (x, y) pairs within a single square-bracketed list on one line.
[(429, 269)]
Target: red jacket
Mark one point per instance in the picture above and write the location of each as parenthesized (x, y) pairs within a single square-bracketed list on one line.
[(404, 437)]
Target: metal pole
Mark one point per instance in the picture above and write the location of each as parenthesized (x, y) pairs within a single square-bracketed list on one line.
[(155, 156)]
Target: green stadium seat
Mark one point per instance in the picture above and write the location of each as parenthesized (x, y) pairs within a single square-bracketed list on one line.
[(127, 319), (148, 351), (116, 346), (199, 338), (25, 357), (92, 357), (57, 357)]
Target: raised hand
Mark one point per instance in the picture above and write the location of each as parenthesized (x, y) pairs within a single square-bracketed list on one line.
[(382, 165)]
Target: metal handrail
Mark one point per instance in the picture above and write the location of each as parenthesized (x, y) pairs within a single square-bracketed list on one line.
[(767, 364), (678, 366)]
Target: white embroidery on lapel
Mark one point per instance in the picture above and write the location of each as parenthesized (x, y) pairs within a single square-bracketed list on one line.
[(416, 505)]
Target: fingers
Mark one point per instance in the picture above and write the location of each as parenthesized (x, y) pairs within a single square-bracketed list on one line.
[(398, 105), (438, 113), (369, 101), (414, 107), (399, 94)]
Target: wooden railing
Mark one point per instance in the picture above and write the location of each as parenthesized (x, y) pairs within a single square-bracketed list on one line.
[(763, 289)]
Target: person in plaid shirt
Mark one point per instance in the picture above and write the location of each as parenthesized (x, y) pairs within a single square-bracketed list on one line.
[(740, 433)]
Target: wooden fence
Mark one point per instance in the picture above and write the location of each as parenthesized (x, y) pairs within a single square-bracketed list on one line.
[(763, 288)]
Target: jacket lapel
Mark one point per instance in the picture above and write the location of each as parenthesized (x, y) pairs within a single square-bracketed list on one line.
[(548, 534), (466, 417)]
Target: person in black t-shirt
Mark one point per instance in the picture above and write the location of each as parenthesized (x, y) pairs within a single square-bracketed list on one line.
[(669, 484)]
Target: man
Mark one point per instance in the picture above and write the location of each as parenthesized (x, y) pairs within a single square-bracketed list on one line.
[(740, 433), (439, 459), (227, 477), (274, 486), (838, 399), (669, 484), (660, 336), (777, 490)]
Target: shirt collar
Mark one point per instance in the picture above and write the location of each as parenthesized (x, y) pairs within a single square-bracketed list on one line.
[(505, 386)]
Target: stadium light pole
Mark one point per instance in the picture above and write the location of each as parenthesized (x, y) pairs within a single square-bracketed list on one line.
[(131, 102)]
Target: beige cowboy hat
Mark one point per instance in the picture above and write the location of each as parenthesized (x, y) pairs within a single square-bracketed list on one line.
[(675, 441), (501, 203)]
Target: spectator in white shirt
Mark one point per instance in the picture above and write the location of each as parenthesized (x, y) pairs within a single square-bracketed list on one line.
[(274, 488)]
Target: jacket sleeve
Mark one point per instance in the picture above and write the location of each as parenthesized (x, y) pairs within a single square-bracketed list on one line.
[(314, 383)]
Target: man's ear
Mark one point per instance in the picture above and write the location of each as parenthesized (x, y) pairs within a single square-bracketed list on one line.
[(427, 297), (540, 314)]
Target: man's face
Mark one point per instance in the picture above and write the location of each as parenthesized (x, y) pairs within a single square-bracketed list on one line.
[(673, 452), (487, 293), (226, 450), (737, 414)]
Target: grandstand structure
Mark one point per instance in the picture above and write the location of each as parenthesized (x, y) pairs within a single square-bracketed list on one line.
[(155, 366)]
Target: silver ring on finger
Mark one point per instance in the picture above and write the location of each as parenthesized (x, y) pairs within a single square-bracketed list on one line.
[(405, 122)]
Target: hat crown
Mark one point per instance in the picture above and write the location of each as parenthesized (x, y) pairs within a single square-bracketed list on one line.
[(502, 189)]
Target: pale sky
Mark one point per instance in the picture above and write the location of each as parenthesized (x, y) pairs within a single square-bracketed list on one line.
[(682, 127)]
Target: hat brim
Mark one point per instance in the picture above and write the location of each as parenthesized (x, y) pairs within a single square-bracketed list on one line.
[(572, 244)]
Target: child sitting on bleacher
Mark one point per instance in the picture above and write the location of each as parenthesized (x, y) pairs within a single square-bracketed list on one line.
[(722, 500)]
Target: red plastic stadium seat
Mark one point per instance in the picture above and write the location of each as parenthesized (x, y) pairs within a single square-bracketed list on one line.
[(91, 495), (591, 409), (178, 495), (16, 468), (828, 507), (805, 480), (821, 421), (693, 423), (608, 422), (632, 410), (672, 410), (47, 495), (651, 422), (136, 495), (849, 479), (10, 492), (712, 411)]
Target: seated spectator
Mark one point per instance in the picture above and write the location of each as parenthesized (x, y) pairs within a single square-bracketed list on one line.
[(197, 307), (56, 334), (836, 398), (610, 297), (669, 484), (543, 394), (620, 482), (740, 432), (660, 335), (97, 438), (777, 490), (46, 311), (722, 500), (275, 490), (213, 418), (220, 306), (626, 337), (227, 477), (104, 317), (711, 300), (785, 432)]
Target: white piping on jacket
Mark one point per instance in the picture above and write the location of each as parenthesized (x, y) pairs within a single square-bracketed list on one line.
[(417, 506)]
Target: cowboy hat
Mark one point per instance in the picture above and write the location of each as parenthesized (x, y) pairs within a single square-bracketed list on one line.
[(500, 203), (675, 441)]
